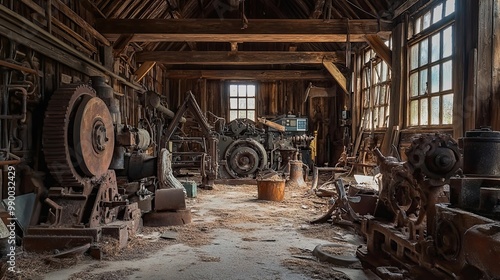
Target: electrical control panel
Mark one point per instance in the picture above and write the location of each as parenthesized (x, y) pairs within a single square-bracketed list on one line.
[(293, 124)]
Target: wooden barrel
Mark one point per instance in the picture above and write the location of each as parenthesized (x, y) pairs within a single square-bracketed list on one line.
[(273, 190)]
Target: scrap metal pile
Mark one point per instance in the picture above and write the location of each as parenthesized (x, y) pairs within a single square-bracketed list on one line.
[(437, 214)]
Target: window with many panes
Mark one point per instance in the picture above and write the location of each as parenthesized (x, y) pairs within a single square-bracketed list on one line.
[(431, 65), (376, 80), (241, 101)]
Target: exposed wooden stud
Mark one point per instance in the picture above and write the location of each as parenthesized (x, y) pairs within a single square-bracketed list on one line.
[(80, 21), (380, 48), (75, 35), (57, 23), (268, 30), (292, 48), (239, 58), (143, 70), (337, 75), (249, 74)]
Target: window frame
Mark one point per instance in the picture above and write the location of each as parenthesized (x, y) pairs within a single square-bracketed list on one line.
[(238, 98), (417, 35), (375, 66)]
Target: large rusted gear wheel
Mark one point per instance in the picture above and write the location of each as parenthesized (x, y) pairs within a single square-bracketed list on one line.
[(78, 135), (244, 158), (435, 156)]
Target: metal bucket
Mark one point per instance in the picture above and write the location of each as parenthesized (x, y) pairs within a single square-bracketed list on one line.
[(273, 190)]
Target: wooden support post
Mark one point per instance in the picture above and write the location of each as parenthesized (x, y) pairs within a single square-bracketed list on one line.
[(337, 75), (234, 46)]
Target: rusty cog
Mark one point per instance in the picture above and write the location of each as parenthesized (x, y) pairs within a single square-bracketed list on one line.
[(78, 136)]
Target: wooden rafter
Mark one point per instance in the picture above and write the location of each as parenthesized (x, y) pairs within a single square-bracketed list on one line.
[(337, 75), (269, 30)]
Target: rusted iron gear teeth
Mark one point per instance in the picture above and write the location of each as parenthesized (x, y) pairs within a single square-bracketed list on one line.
[(426, 144), (55, 132)]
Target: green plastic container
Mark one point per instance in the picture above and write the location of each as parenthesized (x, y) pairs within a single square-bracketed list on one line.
[(190, 187)]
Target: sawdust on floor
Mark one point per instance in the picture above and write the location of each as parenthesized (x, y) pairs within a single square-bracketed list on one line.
[(299, 206)]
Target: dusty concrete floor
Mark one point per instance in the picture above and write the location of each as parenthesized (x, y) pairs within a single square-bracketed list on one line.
[(233, 236)]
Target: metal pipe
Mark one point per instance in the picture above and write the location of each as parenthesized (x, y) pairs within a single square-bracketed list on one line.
[(155, 102), (10, 162), (14, 161), (21, 117)]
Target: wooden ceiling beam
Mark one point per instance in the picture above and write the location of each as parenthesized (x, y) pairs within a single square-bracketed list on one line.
[(249, 74), (268, 30), (240, 58)]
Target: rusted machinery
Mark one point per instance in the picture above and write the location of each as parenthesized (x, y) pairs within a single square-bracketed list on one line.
[(78, 142), (245, 149), (416, 228), (238, 149), (104, 175)]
